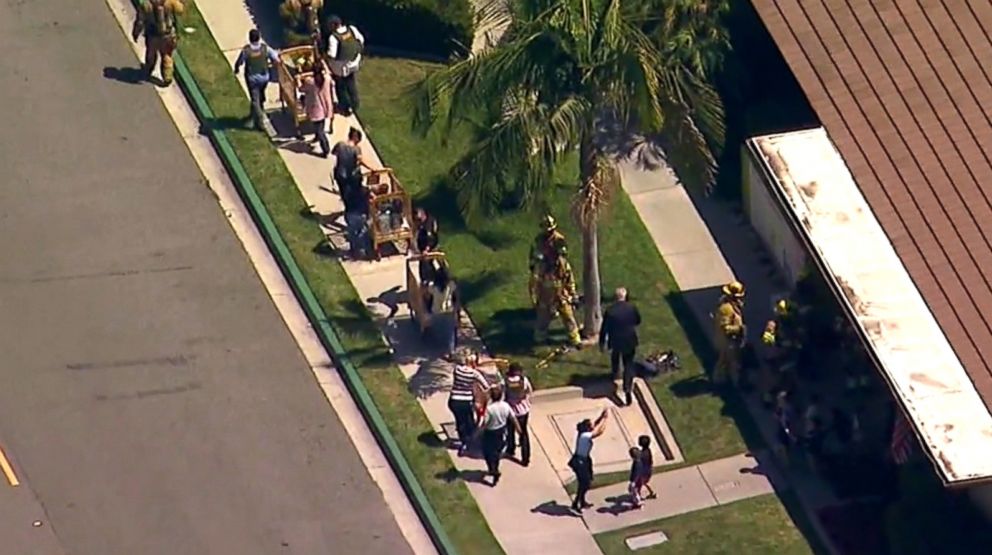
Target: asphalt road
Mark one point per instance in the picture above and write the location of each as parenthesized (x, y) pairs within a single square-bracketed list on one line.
[(151, 399)]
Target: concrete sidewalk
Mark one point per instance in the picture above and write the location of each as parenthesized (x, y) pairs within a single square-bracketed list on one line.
[(522, 511), (682, 491)]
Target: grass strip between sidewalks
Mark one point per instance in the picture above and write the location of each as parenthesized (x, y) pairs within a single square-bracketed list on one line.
[(329, 299), (739, 527)]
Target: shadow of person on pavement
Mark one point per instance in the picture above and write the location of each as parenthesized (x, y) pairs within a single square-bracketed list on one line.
[(129, 75), (619, 504), (553, 508)]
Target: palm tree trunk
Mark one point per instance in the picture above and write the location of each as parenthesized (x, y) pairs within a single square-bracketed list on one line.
[(591, 281), (589, 200)]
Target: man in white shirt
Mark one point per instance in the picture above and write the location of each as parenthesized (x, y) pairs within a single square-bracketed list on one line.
[(344, 54)]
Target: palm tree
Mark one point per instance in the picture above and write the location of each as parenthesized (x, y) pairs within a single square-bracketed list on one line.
[(561, 69)]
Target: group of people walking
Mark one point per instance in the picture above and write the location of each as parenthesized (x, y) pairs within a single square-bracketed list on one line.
[(337, 63), (491, 414)]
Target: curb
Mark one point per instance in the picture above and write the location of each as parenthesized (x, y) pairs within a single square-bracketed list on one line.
[(311, 307)]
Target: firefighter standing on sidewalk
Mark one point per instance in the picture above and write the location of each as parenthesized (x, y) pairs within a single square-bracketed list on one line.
[(156, 19), (730, 333)]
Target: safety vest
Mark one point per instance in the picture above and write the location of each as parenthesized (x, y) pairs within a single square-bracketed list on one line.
[(257, 60), (516, 389), (348, 45), (163, 21)]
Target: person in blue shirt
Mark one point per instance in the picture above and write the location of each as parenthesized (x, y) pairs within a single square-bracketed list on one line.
[(258, 58)]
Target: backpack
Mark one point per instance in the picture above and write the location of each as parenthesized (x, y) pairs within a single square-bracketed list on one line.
[(163, 21)]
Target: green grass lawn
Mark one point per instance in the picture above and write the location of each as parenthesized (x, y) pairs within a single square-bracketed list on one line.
[(490, 261), (407, 423), (753, 526)]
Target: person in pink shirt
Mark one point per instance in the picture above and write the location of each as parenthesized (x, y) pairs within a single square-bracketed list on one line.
[(318, 106)]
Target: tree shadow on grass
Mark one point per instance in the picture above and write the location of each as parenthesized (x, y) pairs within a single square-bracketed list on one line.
[(440, 201), (476, 286), (510, 331), (495, 239)]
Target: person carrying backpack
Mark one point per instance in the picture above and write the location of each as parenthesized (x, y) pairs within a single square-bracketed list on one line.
[(156, 19)]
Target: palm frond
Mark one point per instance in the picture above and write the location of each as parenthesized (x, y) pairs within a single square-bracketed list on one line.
[(519, 152), (686, 148)]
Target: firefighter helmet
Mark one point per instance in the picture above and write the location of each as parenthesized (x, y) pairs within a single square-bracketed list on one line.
[(548, 223), (734, 289), (783, 307)]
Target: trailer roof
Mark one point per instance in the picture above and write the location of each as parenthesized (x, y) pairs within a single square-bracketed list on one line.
[(835, 220)]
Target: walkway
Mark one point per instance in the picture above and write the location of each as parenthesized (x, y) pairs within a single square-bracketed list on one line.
[(513, 509)]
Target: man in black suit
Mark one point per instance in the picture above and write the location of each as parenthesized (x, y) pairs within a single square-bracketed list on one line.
[(619, 334)]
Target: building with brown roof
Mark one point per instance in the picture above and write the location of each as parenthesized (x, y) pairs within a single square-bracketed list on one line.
[(903, 89)]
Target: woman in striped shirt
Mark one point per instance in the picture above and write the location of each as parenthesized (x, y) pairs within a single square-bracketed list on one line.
[(467, 382)]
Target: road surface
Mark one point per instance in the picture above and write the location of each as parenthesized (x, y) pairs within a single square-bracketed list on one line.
[(151, 399)]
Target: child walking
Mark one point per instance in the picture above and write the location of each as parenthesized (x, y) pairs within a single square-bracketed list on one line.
[(647, 464), (636, 476)]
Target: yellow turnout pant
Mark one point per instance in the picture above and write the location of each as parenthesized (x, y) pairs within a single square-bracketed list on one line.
[(546, 311), (156, 47), (728, 365)]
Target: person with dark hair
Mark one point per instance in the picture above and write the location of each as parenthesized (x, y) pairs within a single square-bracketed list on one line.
[(344, 53), (348, 166), (258, 58), (425, 241), (644, 442), (581, 461), (319, 106), (636, 472), (518, 392), (495, 420)]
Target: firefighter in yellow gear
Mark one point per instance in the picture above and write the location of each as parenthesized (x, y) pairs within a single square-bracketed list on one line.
[(552, 290), (156, 19), (730, 333), (301, 21), (782, 337), (548, 242)]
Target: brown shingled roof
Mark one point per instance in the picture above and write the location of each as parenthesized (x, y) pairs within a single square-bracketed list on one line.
[(906, 96)]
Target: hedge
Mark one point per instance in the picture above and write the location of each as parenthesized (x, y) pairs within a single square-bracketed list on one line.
[(443, 28)]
